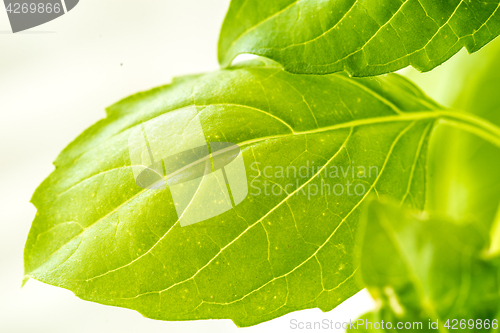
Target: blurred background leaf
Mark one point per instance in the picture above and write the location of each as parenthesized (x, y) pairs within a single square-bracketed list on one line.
[(425, 269), (464, 171)]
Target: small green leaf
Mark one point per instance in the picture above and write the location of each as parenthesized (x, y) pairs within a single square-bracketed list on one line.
[(425, 270), (363, 38), (100, 235)]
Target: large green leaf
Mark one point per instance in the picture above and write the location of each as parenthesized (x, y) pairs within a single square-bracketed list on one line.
[(362, 37), (100, 235), (421, 269)]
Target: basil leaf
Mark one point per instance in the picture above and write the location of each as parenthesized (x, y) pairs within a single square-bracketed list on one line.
[(100, 234), (423, 271), (362, 38)]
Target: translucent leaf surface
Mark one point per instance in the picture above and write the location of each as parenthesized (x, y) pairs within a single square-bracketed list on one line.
[(117, 240)]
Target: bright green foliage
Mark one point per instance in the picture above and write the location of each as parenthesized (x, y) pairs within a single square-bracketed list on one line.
[(99, 235), (426, 269), (362, 37)]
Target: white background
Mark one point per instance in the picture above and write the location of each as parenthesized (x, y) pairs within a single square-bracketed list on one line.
[(55, 81)]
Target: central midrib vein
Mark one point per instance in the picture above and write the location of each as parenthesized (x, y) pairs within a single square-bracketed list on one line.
[(464, 121)]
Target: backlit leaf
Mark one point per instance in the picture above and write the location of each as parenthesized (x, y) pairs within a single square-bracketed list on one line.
[(109, 240)]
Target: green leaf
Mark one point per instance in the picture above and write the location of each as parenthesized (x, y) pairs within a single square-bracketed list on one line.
[(465, 185), (363, 38), (425, 269), (100, 235)]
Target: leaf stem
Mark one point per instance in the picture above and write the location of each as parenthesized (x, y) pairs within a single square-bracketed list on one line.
[(473, 119), (472, 124)]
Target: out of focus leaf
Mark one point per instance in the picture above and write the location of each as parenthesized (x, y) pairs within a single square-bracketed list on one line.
[(423, 270), (464, 177)]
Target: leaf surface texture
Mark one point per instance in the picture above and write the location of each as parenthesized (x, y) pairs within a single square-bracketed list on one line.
[(106, 239)]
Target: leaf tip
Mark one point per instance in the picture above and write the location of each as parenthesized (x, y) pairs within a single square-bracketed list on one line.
[(25, 279)]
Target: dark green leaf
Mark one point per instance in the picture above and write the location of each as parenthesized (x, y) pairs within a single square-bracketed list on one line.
[(362, 37)]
